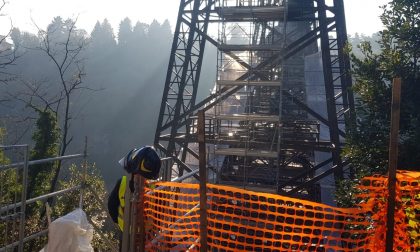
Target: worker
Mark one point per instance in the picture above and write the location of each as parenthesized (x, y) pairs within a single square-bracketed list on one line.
[(145, 162)]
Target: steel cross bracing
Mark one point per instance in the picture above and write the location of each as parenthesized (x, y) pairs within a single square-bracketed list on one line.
[(176, 119), (183, 74)]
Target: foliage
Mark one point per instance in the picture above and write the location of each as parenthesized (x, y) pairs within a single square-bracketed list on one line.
[(63, 44), (121, 71), (412, 212), (93, 194), (125, 33), (402, 46), (65, 203), (8, 178), (128, 76), (367, 142), (46, 138), (357, 40), (373, 110), (346, 193), (102, 38), (3, 159), (9, 190)]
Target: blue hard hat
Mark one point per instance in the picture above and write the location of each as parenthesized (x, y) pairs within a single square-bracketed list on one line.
[(144, 161)]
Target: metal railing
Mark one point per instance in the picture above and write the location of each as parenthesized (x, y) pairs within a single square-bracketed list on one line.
[(12, 213)]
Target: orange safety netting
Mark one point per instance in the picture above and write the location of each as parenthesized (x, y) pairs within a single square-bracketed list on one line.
[(241, 220), (172, 217), (373, 196)]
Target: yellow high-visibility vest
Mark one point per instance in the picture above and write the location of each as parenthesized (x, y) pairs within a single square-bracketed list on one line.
[(121, 196)]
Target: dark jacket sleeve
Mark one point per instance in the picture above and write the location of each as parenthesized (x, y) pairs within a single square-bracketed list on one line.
[(114, 202)]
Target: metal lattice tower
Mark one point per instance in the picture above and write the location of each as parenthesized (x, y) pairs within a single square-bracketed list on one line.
[(261, 132)]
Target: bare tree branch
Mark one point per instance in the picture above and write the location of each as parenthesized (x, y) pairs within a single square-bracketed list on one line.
[(34, 97), (62, 45), (8, 55), (3, 3), (65, 54)]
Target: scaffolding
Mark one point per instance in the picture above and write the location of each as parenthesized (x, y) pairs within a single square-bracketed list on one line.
[(256, 131), (14, 197), (261, 132)]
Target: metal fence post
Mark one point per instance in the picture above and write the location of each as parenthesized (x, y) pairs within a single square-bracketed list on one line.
[(84, 167), (23, 206), (20, 203)]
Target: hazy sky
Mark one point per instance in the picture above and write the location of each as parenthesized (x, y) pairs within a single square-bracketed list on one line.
[(361, 15)]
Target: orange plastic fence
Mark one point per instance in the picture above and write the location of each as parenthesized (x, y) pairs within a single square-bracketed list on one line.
[(373, 196), (172, 217), (240, 220)]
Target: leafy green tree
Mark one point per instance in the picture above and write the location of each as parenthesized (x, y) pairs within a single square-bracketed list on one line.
[(47, 138), (9, 190), (357, 39), (160, 35), (47, 144), (402, 37), (93, 204), (367, 143), (102, 38), (64, 46), (93, 193), (125, 32), (3, 159), (139, 32), (8, 177)]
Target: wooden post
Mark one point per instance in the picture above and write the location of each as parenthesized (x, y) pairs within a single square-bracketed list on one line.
[(393, 161), (125, 246), (138, 216), (134, 216), (203, 180)]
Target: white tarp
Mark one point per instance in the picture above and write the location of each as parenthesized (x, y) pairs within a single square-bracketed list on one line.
[(70, 233)]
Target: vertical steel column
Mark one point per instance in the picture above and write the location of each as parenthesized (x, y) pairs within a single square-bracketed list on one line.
[(344, 59), (329, 90), (345, 69), (183, 74)]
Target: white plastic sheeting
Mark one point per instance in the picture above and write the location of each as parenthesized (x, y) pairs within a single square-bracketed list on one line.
[(70, 233)]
